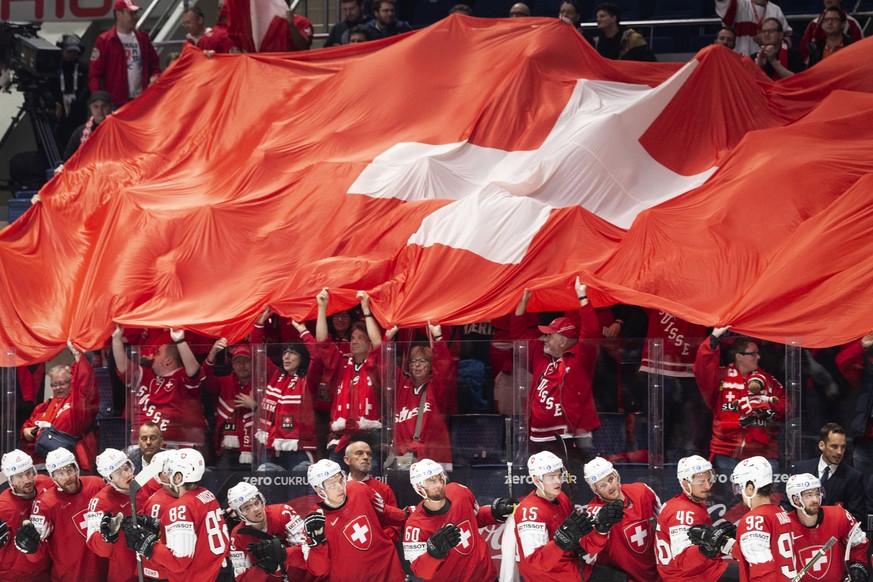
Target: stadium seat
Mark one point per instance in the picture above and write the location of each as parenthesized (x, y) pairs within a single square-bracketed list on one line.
[(698, 42), (104, 387), (426, 12), (112, 433), (17, 208), (634, 9), (663, 44), (478, 440)]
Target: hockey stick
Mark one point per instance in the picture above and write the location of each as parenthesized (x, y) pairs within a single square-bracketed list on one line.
[(815, 558), (509, 454), (262, 535), (144, 477), (570, 487)]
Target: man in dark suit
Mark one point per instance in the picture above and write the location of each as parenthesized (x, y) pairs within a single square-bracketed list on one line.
[(843, 485), (151, 441)]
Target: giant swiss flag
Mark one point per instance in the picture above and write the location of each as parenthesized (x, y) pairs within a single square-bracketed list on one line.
[(445, 171)]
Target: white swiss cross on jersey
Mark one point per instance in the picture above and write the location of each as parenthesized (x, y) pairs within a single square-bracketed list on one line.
[(820, 568), (81, 523), (638, 536), (466, 544), (359, 532)]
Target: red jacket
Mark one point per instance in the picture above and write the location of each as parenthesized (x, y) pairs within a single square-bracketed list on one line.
[(108, 70)]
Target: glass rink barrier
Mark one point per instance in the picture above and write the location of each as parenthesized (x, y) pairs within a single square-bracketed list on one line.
[(262, 412)]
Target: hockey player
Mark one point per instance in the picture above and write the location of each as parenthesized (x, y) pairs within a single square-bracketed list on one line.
[(279, 521), (548, 528), (193, 542), (678, 557), (624, 536), (344, 534), (58, 525), (815, 524), (150, 513), (15, 505), (441, 540), (764, 533), (105, 513)]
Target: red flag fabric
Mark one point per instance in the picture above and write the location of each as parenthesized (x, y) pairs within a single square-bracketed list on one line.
[(444, 172)]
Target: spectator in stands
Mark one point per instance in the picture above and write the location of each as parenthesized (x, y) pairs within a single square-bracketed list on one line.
[(843, 484), (123, 61), (776, 58), (359, 33), (614, 41), (570, 14), (747, 19), (100, 106), (216, 38), (353, 15), (286, 416), (726, 36), (519, 10), (833, 22), (562, 357), (385, 23), (70, 90), (299, 31), (815, 29), (167, 393), (425, 392), (746, 402), (235, 405), (68, 416), (353, 379), (150, 443), (193, 23), (461, 9)]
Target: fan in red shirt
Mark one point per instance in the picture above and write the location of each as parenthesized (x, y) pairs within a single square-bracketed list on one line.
[(815, 524), (442, 540), (234, 406), (72, 409), (58, 524), (168, 393), (15, 505)]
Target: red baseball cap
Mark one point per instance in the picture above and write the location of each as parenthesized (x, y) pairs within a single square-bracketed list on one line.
[(242, 352), (560, 325), (126, 5)]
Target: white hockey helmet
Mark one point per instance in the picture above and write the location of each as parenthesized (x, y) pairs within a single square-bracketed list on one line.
[(544, 462), (797, 484), (15, 462), (242, 493), (754, 470), (58, 459), (318, 472), (188, 462), (111, 460), (160, 458), (596, 469), (688, 467), (422, 471)]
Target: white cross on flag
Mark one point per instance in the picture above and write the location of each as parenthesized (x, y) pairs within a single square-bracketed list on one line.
[(81, 523), (638, 535), (444, 172), (359, 532)]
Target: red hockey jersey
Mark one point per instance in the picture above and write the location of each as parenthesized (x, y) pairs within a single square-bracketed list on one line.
[(540, 559), (766, 545), (14, 565), (833, 522), (678, 558)]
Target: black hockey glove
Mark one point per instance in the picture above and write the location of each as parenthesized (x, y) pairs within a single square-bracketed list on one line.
[(231, 519), (4, 533), (857, 572), (27, 538), (584, 522), (502, 507), (568, 534), (150, 523), (140, 540), (268, 554), (443, 540), (314, 526), (609, 515), (703, 536)]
